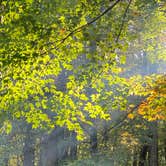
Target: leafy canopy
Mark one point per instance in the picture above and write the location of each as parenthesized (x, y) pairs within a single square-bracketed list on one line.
[(85, 42)]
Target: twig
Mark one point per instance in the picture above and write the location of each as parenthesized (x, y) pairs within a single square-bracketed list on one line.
[(117, 39), (87, 24), (125, 117), (123, 21)]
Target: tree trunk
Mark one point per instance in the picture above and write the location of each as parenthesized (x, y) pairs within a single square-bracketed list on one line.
[(28, 150), (73, 146), (135, 159), (93, 141), (143, 155), (55, 148), (165, 150), (105, 135), (154, 145)]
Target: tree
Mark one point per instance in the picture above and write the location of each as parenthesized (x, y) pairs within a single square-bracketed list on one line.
[(42, 40)]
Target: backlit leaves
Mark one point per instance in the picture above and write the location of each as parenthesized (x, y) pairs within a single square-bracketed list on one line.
[(153, 108), (52, 72)]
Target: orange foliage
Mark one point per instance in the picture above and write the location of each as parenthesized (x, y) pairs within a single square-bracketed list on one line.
[(154, 108), (130, 116)]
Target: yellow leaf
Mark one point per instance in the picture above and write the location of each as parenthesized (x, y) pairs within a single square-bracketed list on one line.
[(130, 116)]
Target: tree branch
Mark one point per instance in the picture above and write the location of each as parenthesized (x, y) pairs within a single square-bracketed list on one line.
[(117, 39), (123, 21), (86, 25), (125, 117)]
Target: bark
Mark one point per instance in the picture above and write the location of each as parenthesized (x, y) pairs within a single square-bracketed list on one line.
[(105, 134), (143, 155), (73, 147), (135, 160), (28, 150), (54, 148), (165, 150), (93, 141), (154, 145)]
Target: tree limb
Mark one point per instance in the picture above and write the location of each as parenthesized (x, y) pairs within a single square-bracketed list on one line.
[(125, 117), (86, 25), (123, 21)]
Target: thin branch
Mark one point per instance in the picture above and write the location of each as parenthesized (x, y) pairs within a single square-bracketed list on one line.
[(123, 21), (85, 25), (117, 39), (79, 29), (118, 124), (90, 22)]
